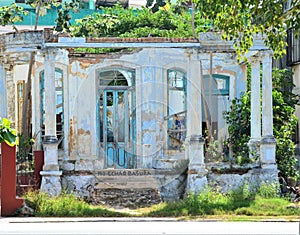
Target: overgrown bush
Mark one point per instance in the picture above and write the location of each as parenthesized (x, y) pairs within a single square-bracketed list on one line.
[(119, 22), (238, 120)]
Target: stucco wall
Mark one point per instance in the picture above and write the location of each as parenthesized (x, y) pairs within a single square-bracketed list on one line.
[(150, 65)]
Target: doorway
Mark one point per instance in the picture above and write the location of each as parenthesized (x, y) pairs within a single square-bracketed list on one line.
[(117, 118)]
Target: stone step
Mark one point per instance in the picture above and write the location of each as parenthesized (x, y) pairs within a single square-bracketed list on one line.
[(130, 198), (126, 188)]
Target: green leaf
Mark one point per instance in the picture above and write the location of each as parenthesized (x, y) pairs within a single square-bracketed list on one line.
[(9, 137), (6, 123)]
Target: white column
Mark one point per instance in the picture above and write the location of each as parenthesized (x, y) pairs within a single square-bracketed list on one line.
[(51, 175), (255, 106), (50, 95), (268, 142), (197, 179), (3, 104)]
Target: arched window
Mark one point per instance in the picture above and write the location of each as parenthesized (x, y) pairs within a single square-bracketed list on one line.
[(176, 109)]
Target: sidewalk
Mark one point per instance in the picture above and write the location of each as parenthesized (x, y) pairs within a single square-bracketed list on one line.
[(122, 219), (138, 226), (83, 219)]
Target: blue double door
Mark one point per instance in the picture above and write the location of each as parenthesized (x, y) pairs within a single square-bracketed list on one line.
[(117, 127)]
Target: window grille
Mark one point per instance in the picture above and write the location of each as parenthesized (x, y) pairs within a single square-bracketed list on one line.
[(293, 48)]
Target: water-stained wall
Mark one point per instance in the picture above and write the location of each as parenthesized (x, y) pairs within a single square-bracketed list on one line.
[(151, 65)]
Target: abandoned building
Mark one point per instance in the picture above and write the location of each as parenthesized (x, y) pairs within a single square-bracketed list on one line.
[(130, 123)]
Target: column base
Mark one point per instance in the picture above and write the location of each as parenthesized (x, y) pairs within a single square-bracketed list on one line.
[(51, 183), (196, 150), (268, 152), (196, 182), (266, 175)]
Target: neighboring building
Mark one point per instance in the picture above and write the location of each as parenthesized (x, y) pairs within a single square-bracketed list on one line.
[(129, 124), (50, 15), (291, 61)]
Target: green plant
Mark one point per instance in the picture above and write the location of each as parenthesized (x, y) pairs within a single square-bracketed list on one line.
[(268, 190), (285, 122), (24, 149), (7, 133), (242, 21), (238, 120), (119, 22), (215, 150), (9, 15), (63, 21)]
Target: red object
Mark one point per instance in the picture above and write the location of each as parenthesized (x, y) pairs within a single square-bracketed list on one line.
[(9, 202), (38, 166)]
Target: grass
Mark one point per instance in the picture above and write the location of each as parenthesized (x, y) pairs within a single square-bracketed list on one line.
[(65, 205), (274, 207), (211, 204)]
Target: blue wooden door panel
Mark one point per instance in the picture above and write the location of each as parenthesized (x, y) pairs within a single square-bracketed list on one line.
[(118, 129)]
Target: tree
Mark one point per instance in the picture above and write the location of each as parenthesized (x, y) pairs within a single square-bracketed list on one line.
[(242, 20), (155, 4), (9, 15)]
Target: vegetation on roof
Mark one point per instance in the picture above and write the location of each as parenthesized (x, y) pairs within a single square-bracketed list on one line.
[(119, 22)]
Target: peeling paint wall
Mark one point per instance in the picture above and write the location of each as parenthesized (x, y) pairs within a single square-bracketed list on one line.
[(81, 91), (150, 67)]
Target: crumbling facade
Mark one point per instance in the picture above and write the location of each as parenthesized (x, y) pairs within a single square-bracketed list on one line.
[(131, 122)]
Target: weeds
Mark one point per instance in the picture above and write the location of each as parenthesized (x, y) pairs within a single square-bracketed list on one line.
[(263, 202), (65, 205), (211, 202)]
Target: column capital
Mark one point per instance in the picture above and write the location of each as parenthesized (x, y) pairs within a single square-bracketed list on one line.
[(267, 55), (261, 56), (255, 59), (49, 139), (49, 52), (268, 139), (195, 139)]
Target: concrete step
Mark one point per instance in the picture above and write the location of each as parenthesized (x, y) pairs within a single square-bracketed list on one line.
[(126, 188)]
